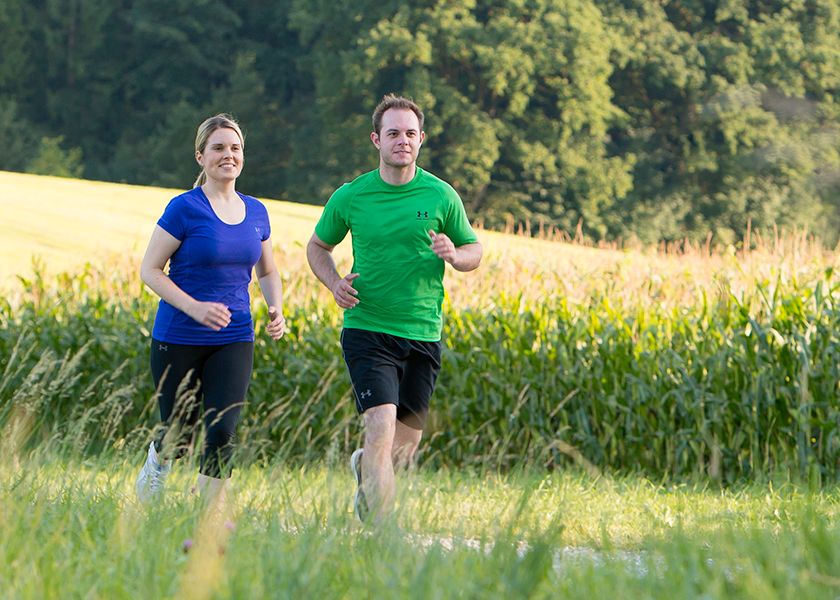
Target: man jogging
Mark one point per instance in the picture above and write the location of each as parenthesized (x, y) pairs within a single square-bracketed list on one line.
[(405, 224)]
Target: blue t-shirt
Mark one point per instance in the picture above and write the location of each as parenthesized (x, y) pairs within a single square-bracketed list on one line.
[(213, 264)]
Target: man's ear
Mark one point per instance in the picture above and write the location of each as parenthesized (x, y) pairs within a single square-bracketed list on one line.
[(374, 137)]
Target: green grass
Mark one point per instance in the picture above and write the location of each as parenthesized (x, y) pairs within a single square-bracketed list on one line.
[(71, 529)]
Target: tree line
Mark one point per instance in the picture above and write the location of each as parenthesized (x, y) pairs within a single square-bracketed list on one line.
[(625, 118)]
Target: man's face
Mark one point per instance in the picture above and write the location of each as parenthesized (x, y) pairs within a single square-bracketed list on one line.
[(399, 138)]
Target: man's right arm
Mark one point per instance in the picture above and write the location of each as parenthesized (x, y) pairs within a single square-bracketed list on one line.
[(319, 255)]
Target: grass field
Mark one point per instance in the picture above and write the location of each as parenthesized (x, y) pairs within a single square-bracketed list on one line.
[(68, 222), (627, 423), (73, 530)]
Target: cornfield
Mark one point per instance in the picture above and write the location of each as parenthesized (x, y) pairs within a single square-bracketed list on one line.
[(686, 363)]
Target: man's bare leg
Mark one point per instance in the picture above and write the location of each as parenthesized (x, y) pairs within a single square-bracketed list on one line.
[(377, 463), (406, 441)]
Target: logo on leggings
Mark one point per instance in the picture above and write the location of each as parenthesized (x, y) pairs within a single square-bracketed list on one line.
[(365, 394), (163, 347)]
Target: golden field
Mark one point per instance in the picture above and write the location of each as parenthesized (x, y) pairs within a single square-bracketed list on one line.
[(64, 224)]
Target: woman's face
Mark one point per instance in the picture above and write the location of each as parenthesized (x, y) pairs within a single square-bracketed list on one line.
[(223, 156)]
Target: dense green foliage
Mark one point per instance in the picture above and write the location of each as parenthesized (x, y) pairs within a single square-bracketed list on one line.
[(735, 386), (661, 120)]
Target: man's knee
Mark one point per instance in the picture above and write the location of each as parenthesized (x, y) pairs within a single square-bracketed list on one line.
[(380, 422)]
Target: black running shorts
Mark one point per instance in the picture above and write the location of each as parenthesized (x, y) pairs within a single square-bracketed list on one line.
[(387, 369)]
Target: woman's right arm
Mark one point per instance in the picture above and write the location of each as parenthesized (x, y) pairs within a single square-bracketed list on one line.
[(161, 248)]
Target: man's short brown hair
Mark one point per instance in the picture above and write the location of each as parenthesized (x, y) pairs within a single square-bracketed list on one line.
[(394, 101)]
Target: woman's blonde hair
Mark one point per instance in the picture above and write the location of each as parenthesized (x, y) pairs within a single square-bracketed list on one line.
[(206, 129)]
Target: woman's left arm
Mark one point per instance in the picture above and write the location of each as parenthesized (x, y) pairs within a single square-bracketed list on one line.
[(272, 290)]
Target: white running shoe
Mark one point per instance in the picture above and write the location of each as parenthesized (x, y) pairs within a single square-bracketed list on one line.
[(152, 476), (360, 505)]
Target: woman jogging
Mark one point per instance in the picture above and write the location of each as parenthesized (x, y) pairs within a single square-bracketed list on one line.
[(202, 346)]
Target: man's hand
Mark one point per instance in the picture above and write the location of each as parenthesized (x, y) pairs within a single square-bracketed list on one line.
[(344, 293), (443, 247), (277, 323)]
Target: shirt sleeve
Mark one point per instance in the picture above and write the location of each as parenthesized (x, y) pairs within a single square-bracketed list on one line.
[(334, 223), (457, 226), (174, 220), (265, 229)]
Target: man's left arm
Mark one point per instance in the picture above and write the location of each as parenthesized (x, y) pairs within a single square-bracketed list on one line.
[(462, 258)]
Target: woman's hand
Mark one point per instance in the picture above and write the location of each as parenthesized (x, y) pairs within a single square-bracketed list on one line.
[(277, 323), (214, 315)]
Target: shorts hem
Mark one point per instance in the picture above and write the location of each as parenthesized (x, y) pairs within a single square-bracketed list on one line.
[(361, 410)]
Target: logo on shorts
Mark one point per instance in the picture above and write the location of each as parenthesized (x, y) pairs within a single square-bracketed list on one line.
[(365, 394), (422, 215), (163, 347)]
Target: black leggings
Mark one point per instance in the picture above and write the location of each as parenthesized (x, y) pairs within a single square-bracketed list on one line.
[(215, 377)]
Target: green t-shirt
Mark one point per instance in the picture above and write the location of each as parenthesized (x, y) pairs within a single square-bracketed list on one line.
[(400, 281)]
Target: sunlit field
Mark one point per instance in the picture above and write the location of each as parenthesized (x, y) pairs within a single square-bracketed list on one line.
[(609, 422), (73, 529), (68, 222)]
